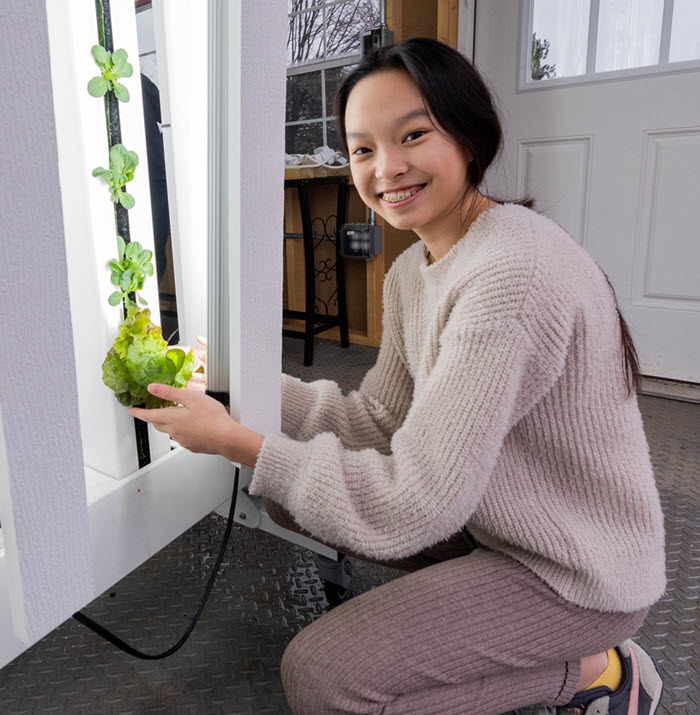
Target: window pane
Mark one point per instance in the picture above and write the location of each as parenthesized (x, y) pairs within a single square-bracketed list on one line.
[(629, 34), (332, 136), (685, 31), (559, 41), (333, 79), (303, 138), (304, 96), (305, 37), (344, 23)]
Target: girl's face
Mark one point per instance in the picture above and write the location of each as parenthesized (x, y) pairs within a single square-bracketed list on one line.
[(403, 165)]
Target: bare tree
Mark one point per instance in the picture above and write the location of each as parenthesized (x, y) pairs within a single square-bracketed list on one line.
[(344, 22)]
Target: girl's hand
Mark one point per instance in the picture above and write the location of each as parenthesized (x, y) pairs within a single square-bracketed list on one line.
[(201, 424)]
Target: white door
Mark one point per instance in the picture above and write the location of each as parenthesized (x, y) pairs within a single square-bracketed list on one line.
[(612, 155)]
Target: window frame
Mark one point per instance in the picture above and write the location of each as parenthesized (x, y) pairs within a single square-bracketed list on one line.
[(662, 67)]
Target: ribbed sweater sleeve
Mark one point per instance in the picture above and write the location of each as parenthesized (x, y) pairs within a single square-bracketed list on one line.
[(368, 417)]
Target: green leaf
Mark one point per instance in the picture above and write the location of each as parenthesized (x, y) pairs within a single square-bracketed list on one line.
[(119, 59), (127, 71), (143, 301), (132, 250), (177, 357), (148, 269), (100, 55), (144, 257), (116, 275), (121, 92), (115, 298), (99, 171), (127, 200), (125, 280), (116, 157), (98, 87), (121, 246)]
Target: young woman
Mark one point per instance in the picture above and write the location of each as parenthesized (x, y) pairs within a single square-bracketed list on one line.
[(496, 447)]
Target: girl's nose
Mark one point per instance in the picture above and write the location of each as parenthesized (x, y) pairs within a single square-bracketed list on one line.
[(389, 164)]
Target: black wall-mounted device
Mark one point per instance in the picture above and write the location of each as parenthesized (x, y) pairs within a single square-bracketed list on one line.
[(375, 37), (360, 240)]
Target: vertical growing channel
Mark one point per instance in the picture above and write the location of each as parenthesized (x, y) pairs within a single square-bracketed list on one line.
[(121, 213)]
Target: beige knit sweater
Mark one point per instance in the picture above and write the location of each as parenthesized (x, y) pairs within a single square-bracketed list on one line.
[(498, 401)]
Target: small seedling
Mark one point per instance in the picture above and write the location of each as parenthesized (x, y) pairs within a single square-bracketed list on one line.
[(129, 271), (122, 164), (114, 66)]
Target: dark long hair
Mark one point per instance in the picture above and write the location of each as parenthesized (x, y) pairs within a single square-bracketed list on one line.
[(463, 106)]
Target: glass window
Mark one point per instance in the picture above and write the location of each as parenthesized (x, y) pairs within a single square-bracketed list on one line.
[(303, 138), (685, 31), (325, 35), (304, 35), (333, 79), (629, 34), (344, 23), (559, 40), (304, 96)]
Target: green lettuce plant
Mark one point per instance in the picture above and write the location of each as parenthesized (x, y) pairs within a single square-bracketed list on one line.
[(122, 165), (139, 356), (114, 66)]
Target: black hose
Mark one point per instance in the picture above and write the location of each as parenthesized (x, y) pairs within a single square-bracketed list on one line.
[(115, 640)]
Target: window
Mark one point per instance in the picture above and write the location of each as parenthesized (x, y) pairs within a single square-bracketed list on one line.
[(582, 40), (323, 45)]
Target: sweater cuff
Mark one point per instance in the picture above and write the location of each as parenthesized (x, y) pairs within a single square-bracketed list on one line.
[(279, 463)]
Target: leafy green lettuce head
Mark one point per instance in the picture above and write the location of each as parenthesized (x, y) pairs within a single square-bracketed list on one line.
[(141, 356)]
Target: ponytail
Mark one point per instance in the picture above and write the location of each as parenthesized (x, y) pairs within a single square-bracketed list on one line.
[(630, 359)]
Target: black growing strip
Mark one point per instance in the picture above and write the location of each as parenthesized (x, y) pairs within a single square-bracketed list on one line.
[(121, 215)]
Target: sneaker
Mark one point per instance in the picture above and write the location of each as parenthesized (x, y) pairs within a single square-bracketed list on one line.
[(639, 693)]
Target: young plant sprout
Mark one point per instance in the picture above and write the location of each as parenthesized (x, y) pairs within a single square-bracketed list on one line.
[(122, 165), (129, 271), (114, 66)]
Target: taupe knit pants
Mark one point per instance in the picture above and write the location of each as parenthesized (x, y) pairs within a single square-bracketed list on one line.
[(472, 634)]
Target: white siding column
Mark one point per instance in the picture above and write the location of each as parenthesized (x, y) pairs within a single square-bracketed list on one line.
[(43, 506), (257, 61)]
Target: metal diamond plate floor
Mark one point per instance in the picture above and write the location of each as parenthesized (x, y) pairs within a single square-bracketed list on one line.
[(268, 590)]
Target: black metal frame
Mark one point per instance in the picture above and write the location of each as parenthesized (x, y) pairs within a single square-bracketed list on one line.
[(315, 322)]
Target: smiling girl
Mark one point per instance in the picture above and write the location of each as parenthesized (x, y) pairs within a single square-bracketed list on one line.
[(495, 450)]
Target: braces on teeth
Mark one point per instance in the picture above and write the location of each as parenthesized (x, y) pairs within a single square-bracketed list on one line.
[(394, 198)]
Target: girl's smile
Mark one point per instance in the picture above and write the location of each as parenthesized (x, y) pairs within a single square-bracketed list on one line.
[(393, 197), (403, 164)]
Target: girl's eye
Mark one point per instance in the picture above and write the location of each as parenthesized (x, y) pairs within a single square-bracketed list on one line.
[(360, 150), (414, 135)]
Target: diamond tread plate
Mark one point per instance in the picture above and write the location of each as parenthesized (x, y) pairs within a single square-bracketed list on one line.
[(268, 590)]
